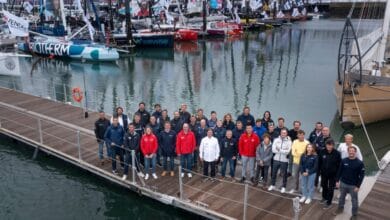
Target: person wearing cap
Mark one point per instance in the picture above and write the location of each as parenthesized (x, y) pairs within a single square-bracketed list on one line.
[(328, 164)]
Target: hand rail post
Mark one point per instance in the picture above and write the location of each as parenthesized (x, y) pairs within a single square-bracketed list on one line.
[(40, 131), (180, 183), (78, 143), (65, 97), (296, 207), (133, 167), (245, 200)]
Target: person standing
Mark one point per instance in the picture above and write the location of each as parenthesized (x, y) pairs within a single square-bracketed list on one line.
[(145, 115), (325, 136), (259, 129), (316, 135), (247, 145), (281, 147), (263, 158), (280, 126), (149, 146), (200, 116), (212, 123), (193, 124), (164, 118), (219, 131), (123, 120), (228, 122), (185, 146), (349, 179), (201, 132), (348, 142), (266, 120), (228, 154), (131, 143), (176, 122), (114, 138), (101, 126), (184, 114), (209, 153), (308, 168), (156, 131), (167, 142), (139, 128), (271, 131), (293, 133), (298, 148), (329, 160), (157, 112), (246, 118)]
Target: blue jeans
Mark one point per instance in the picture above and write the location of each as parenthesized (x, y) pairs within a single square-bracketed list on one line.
[(308, 185), (171, 163), (101, 146), (231, 166), (186, 162), (344, 189), (149, 161)]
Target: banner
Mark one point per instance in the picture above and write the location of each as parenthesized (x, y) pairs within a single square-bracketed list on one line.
[(17, 26)]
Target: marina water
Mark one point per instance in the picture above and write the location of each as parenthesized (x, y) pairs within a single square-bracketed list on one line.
[(290, 71)]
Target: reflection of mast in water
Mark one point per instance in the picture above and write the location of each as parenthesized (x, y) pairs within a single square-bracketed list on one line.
[(289, 57), (204, 55), (279, 70), (298, 53), (115, 100), (235, 94), (188, 74), (261, 80), (247, 64)]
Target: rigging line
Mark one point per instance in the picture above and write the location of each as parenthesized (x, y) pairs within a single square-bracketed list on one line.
[(364, 126), (231, 200), (360, 17)]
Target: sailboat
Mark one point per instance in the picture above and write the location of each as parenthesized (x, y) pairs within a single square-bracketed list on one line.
[(363, 85), (64, 46)]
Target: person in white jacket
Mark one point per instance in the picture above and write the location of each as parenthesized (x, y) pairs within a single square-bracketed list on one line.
[(209, 153), (343, 147), (281, 147)]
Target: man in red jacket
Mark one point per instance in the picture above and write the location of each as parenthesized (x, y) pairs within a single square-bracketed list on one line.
[(149, 146), (247, 145), (185, 146)]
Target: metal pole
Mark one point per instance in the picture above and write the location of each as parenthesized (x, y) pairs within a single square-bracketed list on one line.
[(65, 98), (296, 207), (40, 131), (180, 183), (55, 93), (78, 143), (245, 200), (133, 167)]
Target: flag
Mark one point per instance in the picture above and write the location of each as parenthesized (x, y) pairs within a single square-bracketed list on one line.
[(28, 7), (255, 4), (17, 26)]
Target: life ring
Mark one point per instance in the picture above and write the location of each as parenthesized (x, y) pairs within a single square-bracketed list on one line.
[(77, 94)]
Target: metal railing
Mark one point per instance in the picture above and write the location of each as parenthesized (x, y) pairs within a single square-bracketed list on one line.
[(71, 143)]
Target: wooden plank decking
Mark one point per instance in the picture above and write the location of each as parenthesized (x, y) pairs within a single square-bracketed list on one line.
[(377, 203), (19, 116)]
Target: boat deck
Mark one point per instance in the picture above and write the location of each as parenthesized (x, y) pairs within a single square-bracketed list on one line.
[(62, 131), (376, 205)]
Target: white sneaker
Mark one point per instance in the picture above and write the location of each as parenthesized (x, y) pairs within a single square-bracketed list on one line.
[(308, 201), (154, 176), (302, 199), (283, 190), (270, 188), (189, 175), (124, 177), (182, 175), (291, 191), (146, 176), (140, 174)]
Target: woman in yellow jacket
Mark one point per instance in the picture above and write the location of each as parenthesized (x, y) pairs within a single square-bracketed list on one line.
[(297, 149)]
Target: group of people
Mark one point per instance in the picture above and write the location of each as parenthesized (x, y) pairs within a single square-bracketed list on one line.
[(261, 146)]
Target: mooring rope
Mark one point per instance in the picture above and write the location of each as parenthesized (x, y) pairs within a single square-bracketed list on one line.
[(364, 126)]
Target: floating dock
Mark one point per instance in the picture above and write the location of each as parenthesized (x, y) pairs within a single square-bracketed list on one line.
[(61, 130)]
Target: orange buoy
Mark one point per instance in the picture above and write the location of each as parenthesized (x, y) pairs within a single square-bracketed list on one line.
[(77, 94)]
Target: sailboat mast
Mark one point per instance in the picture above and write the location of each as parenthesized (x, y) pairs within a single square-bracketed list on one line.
[(385, 29), (62, 13)]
